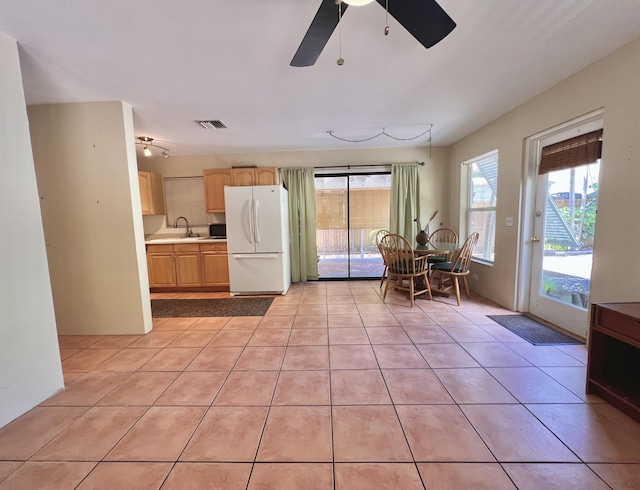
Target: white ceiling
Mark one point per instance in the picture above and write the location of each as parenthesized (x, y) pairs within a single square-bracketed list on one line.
[(177, 62)]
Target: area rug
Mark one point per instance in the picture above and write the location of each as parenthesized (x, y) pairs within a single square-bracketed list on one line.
[(169, 308), (532, 331)]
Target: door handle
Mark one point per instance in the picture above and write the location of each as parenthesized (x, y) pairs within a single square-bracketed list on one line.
[(535, 239)]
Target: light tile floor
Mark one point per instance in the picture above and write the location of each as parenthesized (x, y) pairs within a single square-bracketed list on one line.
[(332, 388)]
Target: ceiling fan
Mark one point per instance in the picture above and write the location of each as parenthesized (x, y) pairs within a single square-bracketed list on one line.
[(424, 19)]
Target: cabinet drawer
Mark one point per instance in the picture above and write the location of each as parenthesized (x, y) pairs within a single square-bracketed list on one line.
[(186, 247), (159, 248), (618, 323), (213, 247)]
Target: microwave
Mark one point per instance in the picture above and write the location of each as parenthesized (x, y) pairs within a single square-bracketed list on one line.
[(218, 230)]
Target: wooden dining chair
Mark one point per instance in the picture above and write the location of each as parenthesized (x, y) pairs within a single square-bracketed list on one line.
[(441, 235), (449, 273), (404, 267), (378, 241)]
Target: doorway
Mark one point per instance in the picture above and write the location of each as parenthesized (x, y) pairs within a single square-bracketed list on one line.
[(350, 209), (559, 230)]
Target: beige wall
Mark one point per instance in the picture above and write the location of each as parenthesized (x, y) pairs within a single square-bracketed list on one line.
[(30, 369), (88, 183), (433, 176), (611, 83)]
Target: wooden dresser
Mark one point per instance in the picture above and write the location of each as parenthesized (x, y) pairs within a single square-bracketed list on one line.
[(613, 370)]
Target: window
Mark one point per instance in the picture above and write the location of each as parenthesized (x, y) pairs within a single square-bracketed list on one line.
[(184, 196), (482, 186)]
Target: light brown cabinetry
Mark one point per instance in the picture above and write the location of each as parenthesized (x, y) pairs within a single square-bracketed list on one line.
[(161, 266), (151, 196), (215, 264), (244, 176), (266, 176), (613, 368), (188, 266), (216, 179), (214, 182)]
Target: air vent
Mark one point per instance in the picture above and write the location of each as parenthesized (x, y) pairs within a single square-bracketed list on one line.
[(217, 124)]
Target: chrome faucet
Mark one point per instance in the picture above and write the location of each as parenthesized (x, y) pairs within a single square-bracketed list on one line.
[(175, 225)]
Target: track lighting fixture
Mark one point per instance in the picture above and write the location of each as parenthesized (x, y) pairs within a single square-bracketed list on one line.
[(147, 143)]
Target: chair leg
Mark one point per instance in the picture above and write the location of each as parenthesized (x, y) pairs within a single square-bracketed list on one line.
[(428, 287), (384, 275), (412, 282), (386, 287), (466, 286), (454, 280)]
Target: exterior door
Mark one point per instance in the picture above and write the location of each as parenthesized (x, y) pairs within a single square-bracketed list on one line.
[(350, 209), (563, 227)]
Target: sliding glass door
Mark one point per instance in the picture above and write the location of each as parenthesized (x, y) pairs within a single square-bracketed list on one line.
[(350, 209)]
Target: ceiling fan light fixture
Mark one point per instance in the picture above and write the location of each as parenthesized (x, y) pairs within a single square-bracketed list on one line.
[(357, 3)]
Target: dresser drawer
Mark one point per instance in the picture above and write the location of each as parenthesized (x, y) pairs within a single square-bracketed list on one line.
[(618, 323)]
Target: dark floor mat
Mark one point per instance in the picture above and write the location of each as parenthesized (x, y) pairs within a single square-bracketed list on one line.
[(532, 331), (169, 308)]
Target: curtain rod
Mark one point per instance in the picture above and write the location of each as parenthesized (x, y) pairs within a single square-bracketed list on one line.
[(364, 165)]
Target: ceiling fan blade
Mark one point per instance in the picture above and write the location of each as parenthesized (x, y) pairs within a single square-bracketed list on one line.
[(424, 19), (320, 30)]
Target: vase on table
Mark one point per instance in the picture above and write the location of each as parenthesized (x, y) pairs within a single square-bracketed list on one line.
[(422, 237)]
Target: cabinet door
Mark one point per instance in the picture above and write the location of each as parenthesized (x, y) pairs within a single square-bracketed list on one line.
[(266, 176), (146, 199), (215, 267), (151, 195), (214, 182), (188, 269), (161, 270), (243, 176)]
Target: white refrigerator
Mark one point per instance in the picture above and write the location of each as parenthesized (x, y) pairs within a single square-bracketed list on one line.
[(258, 239)]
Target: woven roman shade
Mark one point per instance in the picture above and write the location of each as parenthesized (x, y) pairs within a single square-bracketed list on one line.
[(581, 150)]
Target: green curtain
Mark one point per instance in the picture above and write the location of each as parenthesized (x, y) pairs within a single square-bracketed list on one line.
[(405, 200), (302, 222)]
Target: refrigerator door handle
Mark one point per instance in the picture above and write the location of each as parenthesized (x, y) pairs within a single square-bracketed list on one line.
[(251, 224), (256, 220)]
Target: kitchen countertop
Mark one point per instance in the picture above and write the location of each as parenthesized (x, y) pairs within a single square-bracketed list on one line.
[(170, 239)]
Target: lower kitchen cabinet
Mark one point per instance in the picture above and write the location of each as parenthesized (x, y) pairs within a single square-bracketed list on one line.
[(189, 266), (215, 264), (161, 266)]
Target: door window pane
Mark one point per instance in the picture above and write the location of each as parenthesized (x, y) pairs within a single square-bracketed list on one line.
[(569, 228)]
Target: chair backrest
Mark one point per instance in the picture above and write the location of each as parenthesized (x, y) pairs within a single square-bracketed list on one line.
[(398, 255), (443, 235), (463, 256), (378, 238)]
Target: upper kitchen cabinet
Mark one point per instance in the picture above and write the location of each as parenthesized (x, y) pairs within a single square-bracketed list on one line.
[(214, 182), (244, 175), (255, 175), (151, 196), (266, 176), (215, 179)]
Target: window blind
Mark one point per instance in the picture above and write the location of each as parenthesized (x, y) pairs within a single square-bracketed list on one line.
[(574, 152), (184, 196)]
